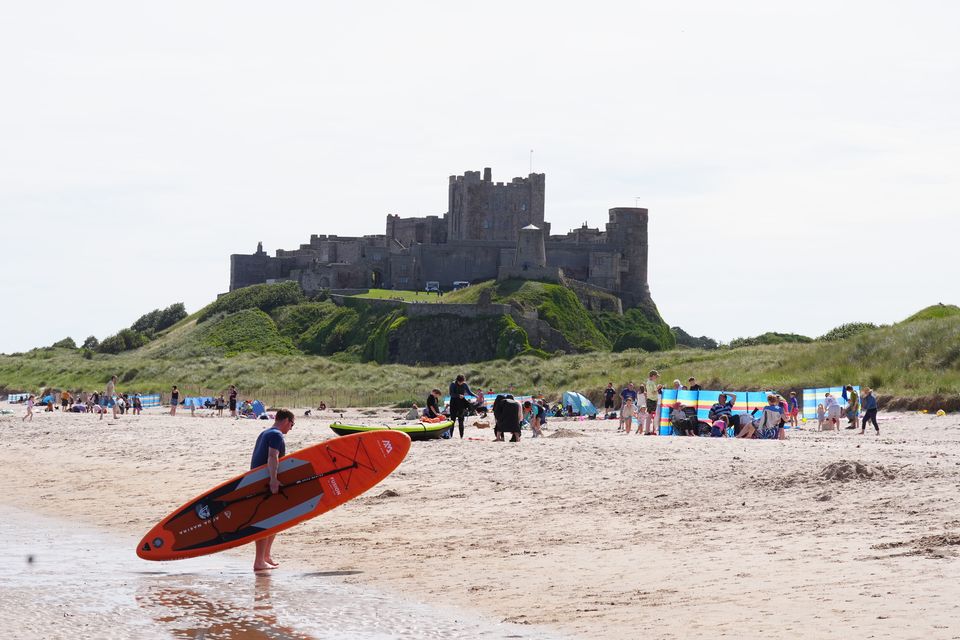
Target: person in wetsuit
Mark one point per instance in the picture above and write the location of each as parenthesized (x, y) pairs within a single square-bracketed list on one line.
[(459, 389)]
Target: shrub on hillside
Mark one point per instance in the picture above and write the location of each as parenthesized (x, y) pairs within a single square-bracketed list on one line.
[(247, 331), (294, 319), (160, 319), (845, 331), (265, 297), (66, 343), (329, 335), (771, 337), (91, 343), (637, 328), (685, 339), (124, 340)]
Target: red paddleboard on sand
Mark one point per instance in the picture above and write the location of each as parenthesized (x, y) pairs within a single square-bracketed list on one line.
[(241, 510)]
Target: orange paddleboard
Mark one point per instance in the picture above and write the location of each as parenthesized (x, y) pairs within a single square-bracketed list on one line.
[(241, 510)]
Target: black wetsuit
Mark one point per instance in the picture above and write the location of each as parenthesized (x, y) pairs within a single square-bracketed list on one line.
[(507, 414), (458, 404)]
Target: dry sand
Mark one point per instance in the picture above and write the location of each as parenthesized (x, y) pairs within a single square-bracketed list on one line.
[(603, 536)]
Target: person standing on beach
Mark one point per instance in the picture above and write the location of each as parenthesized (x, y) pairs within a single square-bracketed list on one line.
[(853, 407), (232, 396), (268, 450), (652, 390), (608, 399), (628, 393), (29, 413), (794, 410), (174, 400), (870, 411), (459, 390), (692, 384), (108, 398)]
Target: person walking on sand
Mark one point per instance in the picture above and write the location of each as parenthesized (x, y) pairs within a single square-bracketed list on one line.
[(870, 411), (109, 400), (174, 400), (268, 450), (232, 397), (459, 390), (29, 413)]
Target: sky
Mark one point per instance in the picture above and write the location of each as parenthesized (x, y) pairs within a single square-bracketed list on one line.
[(800, 161)]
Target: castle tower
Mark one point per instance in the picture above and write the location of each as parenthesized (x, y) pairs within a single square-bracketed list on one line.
[(627, 233), (531, 250), (480, 209)]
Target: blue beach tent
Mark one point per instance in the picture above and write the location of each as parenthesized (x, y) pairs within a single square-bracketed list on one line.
[(579, 402)]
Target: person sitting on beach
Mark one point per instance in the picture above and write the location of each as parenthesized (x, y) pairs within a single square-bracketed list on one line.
[(432, 409), (322, 406), (719, 428), (723, 407), (480, 405), (246, 409), (833, 411), (768, 427), (507, 414), (413, 413), (626, 416)]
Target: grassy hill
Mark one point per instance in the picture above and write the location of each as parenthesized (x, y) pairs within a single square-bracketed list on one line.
[(919, 359)]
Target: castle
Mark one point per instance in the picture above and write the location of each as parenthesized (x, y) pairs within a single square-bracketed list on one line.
[(490, 230)]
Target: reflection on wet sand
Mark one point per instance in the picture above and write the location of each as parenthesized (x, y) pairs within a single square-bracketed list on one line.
[(187, 613)]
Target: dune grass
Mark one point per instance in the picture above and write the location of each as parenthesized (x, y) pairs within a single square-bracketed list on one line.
[(919, 358)]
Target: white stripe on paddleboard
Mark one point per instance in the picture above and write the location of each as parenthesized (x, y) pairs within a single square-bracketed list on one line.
[(289, 514), (262, 474)]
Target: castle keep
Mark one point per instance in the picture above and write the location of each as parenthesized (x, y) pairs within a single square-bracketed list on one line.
[(490, 230)]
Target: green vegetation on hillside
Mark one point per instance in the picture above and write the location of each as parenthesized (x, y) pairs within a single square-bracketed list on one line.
[(562, 310), (265, 297), (913, 359), (848, 330), (935, 311), (770, 337), (397, 294)]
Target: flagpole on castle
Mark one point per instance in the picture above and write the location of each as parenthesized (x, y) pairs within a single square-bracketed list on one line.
[(531, 160)]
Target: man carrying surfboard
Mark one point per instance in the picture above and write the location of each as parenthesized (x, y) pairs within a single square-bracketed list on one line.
[(268, 450)]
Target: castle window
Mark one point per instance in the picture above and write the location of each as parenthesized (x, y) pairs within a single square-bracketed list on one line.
[(523, 207), (486, 224)]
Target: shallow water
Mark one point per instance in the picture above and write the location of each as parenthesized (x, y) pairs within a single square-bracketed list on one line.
[(58, 580)]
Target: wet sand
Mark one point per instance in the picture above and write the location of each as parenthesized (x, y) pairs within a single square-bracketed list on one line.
[(602, 535)]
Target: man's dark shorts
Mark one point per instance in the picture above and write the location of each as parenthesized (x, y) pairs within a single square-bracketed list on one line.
[(651, 405)]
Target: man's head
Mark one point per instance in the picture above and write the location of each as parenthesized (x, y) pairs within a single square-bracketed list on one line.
[(436, 392), (849, 387), (654, 374), (461, 378), (114, 379), (773, 398), (793, 394), (630, 386), (722, 398), (283, 420), (691, 381), (610, 385)]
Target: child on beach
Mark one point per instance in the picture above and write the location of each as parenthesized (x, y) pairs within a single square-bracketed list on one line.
[(29, 413), (626, 415), (719, 428), (794, 410), (137, 404), (821, 416)]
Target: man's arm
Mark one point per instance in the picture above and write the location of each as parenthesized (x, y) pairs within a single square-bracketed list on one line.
[(273, 464), (732, 398)]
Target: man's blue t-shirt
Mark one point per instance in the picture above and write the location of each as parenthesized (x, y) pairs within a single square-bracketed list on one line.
[(718, 409), (271, 438), (628, 393)]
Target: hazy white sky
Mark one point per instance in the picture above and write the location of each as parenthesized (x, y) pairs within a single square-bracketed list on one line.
[(800, 162)]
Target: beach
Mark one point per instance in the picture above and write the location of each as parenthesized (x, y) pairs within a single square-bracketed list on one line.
[(592, 534)]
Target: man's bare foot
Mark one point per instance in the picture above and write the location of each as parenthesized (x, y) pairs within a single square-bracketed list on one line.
[(273, 562), (263, 567)]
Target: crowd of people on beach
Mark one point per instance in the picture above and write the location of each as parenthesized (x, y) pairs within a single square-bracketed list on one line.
[(641, 406)]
